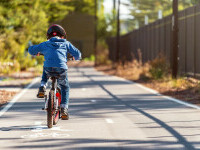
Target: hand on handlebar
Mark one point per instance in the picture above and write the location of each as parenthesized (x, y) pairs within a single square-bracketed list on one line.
[(71, 58), (39, 54)]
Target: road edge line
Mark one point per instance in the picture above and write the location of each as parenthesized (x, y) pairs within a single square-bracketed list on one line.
[(110, 121), (16, 97), (168, 97), (164, 96)]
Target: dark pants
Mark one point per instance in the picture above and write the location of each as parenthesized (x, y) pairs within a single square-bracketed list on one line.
[(62, 81)]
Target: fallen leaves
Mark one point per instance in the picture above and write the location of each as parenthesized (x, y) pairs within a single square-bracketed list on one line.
[(5, 96)]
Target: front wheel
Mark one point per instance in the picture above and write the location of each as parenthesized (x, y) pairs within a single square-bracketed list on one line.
[(56, 115), (50, 109)]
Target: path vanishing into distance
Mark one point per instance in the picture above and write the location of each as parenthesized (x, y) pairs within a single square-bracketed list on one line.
[(106, 113)]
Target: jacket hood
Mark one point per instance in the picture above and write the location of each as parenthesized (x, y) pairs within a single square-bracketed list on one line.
[(56, 41)]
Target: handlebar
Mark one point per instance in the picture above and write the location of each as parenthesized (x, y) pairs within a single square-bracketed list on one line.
[(40, 54), (71, 58)]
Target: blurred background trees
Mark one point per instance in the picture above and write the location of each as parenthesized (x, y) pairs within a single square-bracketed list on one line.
[(153, 9), (139, 10), (22, 21)]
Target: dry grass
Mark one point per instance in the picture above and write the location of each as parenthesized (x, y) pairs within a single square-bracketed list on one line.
[(80, 63), (156, 75), (133, 70), (187, 89)]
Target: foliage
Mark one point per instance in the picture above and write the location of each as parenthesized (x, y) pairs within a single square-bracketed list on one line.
[(102, 53), (24, 20), (150, 8), (102, 24), (136, 70), (91, 58), (159, 67), (81, 6)]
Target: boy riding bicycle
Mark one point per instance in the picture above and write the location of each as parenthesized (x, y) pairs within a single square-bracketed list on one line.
[(55, 52)]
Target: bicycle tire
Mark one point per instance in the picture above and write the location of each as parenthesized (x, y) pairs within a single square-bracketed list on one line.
[(56, 115), (50, 109)]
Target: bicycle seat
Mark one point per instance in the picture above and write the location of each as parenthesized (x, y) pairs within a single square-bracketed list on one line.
[(53, 75)]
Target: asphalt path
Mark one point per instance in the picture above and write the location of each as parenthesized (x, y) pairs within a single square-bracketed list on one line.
[(106, 113)]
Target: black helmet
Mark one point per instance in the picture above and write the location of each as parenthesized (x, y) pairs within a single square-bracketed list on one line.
[(55, 30)]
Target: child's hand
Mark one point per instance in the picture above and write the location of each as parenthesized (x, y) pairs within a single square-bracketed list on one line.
[(40, 54)]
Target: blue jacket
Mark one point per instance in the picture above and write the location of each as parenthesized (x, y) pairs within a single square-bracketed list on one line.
[(55, 52)]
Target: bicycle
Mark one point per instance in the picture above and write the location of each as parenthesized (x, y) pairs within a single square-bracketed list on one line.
[(52, 103)]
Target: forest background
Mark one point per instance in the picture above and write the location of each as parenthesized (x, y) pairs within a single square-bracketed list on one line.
[(22, 21)]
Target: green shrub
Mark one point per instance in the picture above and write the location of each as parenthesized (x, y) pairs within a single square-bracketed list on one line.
[(91, 58), (102, 54), (16, 66), (159, 68), (26, 62), (9, 66)]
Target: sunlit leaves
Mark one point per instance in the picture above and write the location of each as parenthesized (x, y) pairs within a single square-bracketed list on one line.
[(24, 20), (150, 8)]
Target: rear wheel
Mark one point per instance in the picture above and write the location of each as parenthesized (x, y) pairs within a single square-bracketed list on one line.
[(50, 112)]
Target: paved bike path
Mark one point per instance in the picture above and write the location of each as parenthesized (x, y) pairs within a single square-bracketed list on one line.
[(106, 112)]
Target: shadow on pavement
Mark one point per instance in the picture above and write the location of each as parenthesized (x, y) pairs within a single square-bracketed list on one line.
[(180, 139), (93, 144), (139, 103)]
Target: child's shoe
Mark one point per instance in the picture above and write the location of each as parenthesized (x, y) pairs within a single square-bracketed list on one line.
[(64, 114), (41, 92)]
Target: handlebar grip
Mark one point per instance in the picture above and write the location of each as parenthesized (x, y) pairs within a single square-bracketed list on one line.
[(40, 54)]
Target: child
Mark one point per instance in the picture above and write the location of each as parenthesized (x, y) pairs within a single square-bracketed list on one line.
[(55, 52)]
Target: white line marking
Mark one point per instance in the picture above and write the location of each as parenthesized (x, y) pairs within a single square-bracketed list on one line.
[(59, 129), (66, 130), (38, 128), (56, 128), (168, 98), (83, 89), (93, 101), (38, 122), (10, 104), (42, 135), (157, 93), (109, 120)]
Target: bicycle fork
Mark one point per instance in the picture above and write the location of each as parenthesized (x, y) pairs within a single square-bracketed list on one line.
[(56, 105), (46, 103)]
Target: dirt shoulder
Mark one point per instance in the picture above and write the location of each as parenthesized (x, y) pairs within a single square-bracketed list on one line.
[(186, 89), (5, 96), (80, 64), (12, 84)]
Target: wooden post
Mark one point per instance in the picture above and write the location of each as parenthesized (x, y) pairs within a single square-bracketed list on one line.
[(95, 31), (118, 34), (175, 39), (114, 4)]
